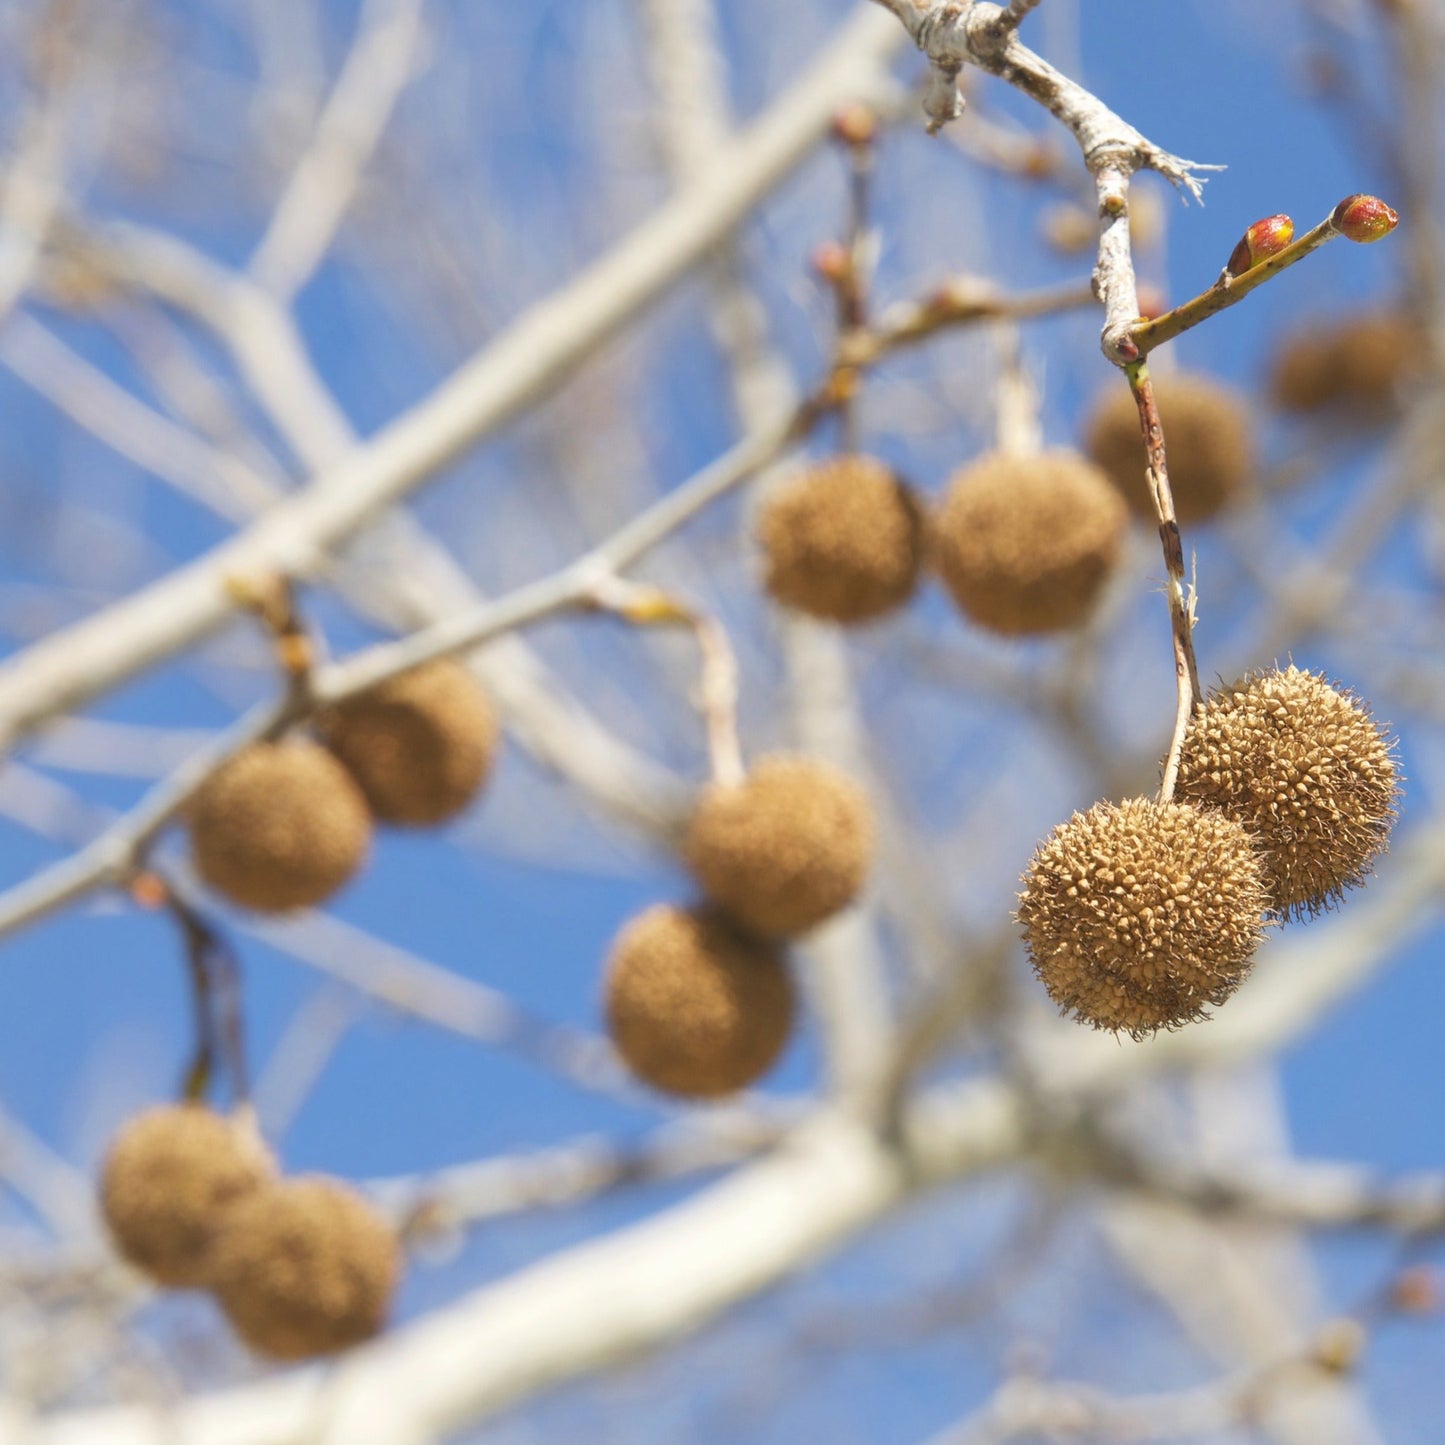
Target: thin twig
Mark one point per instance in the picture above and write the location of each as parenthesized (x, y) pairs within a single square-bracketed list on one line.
[(1181, 605)]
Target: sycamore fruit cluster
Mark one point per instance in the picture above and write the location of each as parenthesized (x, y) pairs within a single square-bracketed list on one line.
[(1303, 766), (842, 540), (696, 1005), (1138, 915), (301, 1267), (699, 1000), (1025, 544), (286, 824)]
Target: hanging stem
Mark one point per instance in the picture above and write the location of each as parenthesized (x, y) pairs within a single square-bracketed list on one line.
[(216, 998), (1181, 603)]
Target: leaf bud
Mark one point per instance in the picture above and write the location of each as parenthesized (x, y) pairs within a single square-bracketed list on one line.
[(831, 263), (1364, 218), (855, 124), (1262, 240)]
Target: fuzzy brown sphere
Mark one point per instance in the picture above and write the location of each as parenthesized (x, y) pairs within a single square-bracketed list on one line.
[(783, 849), (1207, 434), (694, 1005), (420, 746), (1026, 544), (1351, 367), (842, 540), (1306, 770), (171, 1175), (1137, 914), (306, 1267), (280, 826)]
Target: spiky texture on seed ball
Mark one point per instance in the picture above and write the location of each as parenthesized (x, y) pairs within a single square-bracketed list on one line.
[(1137, 914), (420, 745), (1208, 437), (1026, 543), (1304, 767), (1351, 366), (306, 1267), (280, 826), (842, 540), (783, 849), (171, 1175), (696, 1006)]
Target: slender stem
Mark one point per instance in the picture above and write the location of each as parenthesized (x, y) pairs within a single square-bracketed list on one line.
[(1181, 606), (717, 696)]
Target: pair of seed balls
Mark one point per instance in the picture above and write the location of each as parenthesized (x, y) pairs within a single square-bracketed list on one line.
[(283, 825), (1025, 544), (1137, 915), (699, 1000), (301, 1267)]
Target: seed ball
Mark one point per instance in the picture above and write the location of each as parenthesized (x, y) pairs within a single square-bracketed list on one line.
[(1208, 436), (306, 1267), (1137, 914), (420, 745), (694, 1005), (1026, 544), (783, 849), (1351, 367), (842, 540), (1306, 770), (280, 826), (171, 1175)]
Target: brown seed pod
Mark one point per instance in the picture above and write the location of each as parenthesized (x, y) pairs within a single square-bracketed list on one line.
[(1026, 543), (842, 540), (1208, 436), (171, 1175), (694, 1005), (1137, 914), (1351, 367), (305, 1267), (420, 746), (783, 849), (280, 826), (1306, 770)]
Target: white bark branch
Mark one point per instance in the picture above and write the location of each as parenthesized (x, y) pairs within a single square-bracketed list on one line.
[(326, 179), (80, 662)]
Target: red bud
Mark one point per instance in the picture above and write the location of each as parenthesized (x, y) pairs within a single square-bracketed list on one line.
[(1152, 301), (1416, 1291), (1262, 240), (1364, 218), (855, 124), (832, 263)]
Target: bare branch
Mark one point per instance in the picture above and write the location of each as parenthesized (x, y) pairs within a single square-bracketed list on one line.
[(326, 178), (80, 662)]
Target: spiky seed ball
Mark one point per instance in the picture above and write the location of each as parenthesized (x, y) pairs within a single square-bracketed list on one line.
[(1026, 544), (783, 849), (695, 1006), (280, 826), (842, 540), (1351, 366), (1304, 767), (1207, 434), (306, 1267), (1137, 914), (420, 745), (171, 1175)]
